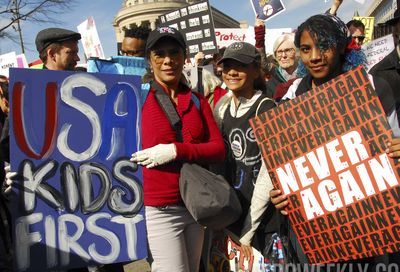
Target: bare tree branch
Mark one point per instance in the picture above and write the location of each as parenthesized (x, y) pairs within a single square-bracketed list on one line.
[(39, 11)]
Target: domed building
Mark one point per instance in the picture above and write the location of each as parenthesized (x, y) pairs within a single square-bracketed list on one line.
[(147, 12)]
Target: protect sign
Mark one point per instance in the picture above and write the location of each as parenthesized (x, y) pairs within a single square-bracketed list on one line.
[(78, 197), (227, 36), (325, 150)]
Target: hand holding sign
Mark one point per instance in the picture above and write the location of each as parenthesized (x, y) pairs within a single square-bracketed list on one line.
[(10, 176), (336, 173), (280, 201), (393, 149)]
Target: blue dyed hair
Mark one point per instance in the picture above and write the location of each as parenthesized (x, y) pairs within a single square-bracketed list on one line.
[(330, 31)]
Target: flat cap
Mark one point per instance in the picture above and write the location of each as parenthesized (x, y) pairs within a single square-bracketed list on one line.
[(48, 36)]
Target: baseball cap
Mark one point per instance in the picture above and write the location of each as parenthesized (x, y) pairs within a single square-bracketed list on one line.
[(241, 51), (163, 32), (48, 36)]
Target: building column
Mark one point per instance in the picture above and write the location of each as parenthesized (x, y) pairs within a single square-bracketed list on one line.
[(153, 24)]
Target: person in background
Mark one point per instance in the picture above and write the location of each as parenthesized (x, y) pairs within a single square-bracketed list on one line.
[(283, 68), (175, 239), (356, 27), (335, 6), (4, 108), (389, 67), (5, 217), (212, 87), (134, 42), (268, 66), (58, 49), (285, 54), (357, 31), (242, 74)]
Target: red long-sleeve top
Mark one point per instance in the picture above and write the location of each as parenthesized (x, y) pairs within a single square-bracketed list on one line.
[(202, 144)]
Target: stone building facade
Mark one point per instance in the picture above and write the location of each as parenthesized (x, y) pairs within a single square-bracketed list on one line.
[(146, 13), (382, 10)]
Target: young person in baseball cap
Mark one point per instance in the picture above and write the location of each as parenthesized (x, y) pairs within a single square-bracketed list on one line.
[(58, 48), (175, 238), (242, 74)]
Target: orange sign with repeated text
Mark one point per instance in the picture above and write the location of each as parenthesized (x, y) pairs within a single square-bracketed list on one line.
[(325, 150)]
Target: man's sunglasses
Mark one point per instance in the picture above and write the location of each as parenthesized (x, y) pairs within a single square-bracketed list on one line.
[(360, 38)]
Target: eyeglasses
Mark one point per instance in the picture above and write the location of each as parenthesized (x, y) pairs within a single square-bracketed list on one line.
[(287, 51), (360, 38), (131, 53)]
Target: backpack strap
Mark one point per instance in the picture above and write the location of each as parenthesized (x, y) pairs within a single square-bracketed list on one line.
[(196, 100), (262, 100), (166, 104), (145, 89)]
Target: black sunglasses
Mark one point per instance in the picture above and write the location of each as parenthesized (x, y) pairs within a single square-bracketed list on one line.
[(361, 37)]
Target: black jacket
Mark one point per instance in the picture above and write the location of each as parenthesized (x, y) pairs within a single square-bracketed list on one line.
[(389, 69)]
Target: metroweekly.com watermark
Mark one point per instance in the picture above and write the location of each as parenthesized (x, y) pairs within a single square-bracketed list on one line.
[(336, 267)]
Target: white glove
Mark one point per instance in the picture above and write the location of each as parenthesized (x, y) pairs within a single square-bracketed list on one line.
[(156, 155), (9, 180)]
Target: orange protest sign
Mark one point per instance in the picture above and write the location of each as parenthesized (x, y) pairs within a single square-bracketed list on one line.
[(326, 151)]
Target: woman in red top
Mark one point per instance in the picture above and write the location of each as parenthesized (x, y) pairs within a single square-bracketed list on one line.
[(175, 239)]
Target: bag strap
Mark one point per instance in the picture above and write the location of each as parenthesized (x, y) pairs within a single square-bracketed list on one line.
[(166, 104), (259, 104)]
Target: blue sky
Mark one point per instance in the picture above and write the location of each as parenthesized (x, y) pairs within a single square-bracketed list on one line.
[(104, 11)]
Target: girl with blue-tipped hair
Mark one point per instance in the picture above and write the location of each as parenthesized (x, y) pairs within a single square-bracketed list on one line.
[(327, 51)]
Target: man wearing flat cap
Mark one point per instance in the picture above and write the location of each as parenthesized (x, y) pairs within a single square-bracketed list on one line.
[(58, 48)]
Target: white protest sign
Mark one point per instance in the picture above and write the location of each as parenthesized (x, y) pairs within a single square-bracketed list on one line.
[(226, 36), (90, 39), (7, 61), (192, 76), (21, 61), (377, 49)]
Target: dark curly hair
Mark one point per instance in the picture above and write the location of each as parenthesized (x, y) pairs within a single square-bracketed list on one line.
[(329, 31), (138, 32)]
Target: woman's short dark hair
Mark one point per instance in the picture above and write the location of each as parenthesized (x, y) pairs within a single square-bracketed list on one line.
[(259, 83)]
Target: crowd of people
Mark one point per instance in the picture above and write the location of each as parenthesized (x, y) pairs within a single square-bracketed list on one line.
[(243, 83)]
